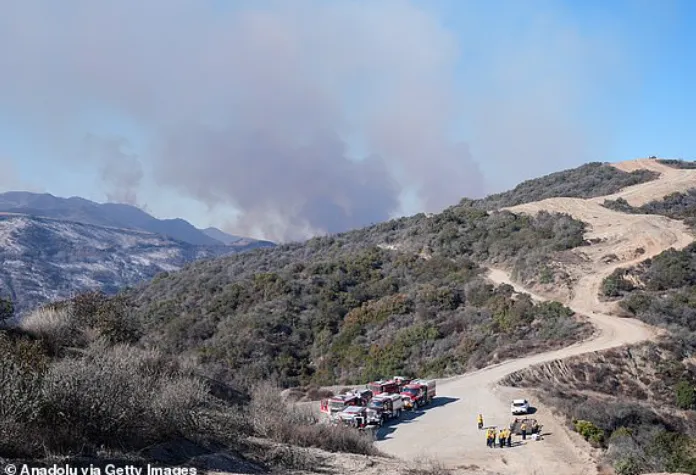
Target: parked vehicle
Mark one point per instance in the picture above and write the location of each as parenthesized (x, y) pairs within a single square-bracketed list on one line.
[(532, 425), (378, 402), (418, 393), (387, 406), (336, 404), (365, 395), (388, 387), (411, 394), (359, 417), (519, 406)]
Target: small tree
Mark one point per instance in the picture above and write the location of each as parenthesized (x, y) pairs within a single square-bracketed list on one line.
[(685, 396)]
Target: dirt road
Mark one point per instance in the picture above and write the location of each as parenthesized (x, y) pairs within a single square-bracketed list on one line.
[(448, 431)]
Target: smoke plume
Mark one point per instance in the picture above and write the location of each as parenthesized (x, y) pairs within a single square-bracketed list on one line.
[(121, 172), (305, 116)]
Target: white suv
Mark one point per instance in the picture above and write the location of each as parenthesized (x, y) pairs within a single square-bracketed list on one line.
[(519, 406)]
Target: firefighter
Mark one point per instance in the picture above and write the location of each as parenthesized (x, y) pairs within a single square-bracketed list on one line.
[(501, 438), (523, 428), (479, 420), (509, 438), (490, 437)]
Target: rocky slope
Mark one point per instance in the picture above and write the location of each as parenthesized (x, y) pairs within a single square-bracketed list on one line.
[(44, 259)]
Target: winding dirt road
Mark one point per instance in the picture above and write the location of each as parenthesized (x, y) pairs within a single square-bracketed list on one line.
[(448, 432)]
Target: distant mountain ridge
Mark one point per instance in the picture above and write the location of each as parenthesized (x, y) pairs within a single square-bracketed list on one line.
[(222, 236), (44, 259), (117, 215), (52, 248)]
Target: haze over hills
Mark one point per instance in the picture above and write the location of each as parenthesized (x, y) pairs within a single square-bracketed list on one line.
[(117, 215)]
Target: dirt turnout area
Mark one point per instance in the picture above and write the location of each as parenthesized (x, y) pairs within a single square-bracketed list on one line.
[(448, 430)]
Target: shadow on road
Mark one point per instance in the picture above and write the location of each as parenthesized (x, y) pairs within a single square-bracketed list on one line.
[(517, 443), (408, 417)]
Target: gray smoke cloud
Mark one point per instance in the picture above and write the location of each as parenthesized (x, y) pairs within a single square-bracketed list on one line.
[(305, 116), (259, 108), (120, 171)]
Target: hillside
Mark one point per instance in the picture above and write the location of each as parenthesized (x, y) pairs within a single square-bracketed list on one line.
[(412, 295), (354, 306), (337, 309), (44, 259), (114, 215), (586, 181)]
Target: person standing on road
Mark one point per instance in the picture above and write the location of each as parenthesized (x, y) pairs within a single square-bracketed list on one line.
[(501, 438), (509, 438), (479, 420), (523, 428)]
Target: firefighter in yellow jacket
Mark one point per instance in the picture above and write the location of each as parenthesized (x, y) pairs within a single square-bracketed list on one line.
[(479, 421), (490, 437), (501, 438)]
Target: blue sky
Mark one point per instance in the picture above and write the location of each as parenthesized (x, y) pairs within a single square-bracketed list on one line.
[(249, 115)]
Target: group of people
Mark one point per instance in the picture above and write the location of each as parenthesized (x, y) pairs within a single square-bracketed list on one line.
[(504, 437)]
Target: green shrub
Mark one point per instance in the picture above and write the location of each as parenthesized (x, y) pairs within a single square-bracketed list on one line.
[(621, 432), (629, 466), (674, 451), (685, 395), (675, 163), (590, 432), (616, 284)]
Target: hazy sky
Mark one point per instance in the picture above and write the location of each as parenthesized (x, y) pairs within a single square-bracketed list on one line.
[(283, 119)]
